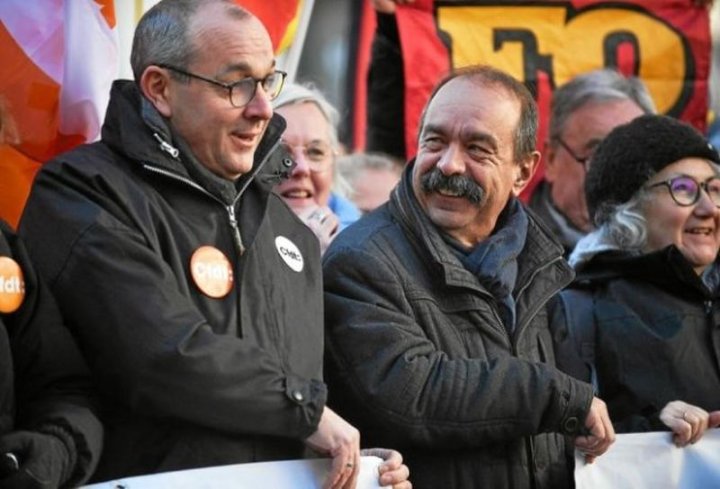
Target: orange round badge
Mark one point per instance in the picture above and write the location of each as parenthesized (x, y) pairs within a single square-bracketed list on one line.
[(12, 285), (211, 271)]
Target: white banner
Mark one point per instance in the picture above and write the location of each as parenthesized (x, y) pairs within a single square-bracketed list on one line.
[(652, 461), (290, 474)]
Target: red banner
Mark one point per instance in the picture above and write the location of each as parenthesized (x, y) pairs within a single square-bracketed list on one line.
[(278, 16), (545, 43)]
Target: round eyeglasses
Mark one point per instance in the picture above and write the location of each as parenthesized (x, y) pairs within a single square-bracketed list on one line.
[(241, 92), (685, 190)]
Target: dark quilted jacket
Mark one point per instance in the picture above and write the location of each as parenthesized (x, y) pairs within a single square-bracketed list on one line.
[(418, 358)]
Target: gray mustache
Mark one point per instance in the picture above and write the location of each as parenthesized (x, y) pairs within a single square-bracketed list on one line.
[(460, 185)]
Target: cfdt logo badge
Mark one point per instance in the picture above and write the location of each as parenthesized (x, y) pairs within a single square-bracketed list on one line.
[(211, 271), (12, 285)]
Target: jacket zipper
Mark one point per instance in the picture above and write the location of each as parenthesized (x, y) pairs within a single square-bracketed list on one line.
[(235, 228), (230, 209)]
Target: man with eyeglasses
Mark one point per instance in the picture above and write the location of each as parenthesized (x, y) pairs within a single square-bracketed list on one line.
[(194, 291), (583, 112)]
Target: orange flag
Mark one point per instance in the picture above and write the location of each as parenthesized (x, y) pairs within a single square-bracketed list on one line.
[(59, 58)]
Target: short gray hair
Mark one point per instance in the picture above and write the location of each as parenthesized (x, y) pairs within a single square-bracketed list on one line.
[(298, 93), (163, 36), (595, 86)]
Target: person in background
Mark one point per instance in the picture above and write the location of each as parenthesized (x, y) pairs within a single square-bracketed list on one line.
[(437, 338), (385, 128), (311, 139), (49, 434), (641, 318), (583, 112), (370, 178), (193, 290)]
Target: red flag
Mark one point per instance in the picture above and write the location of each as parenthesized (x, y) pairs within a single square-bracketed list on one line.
[(664, 42), (279, 17)]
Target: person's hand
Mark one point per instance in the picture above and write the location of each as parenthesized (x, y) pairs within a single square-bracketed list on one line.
[(393, 472), (601, 432), (338, 439), (388, 6), (323, 223), (43, 461), (687, 422)]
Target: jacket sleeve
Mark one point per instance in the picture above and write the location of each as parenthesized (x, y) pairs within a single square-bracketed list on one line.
[(386, 91), (572, 321), (149, 346), (388, 376), (53, 386)]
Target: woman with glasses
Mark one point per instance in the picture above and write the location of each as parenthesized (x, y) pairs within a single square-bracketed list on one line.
[(311, 139), (642, 319)]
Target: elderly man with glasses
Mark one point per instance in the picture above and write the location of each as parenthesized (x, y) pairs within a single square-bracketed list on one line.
[(583, 112), (195, 293)]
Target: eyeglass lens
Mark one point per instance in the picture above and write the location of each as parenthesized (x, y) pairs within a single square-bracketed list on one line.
[(244, 90), (686, 190)]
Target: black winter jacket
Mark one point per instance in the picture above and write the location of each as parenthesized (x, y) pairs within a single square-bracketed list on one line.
[(418, 358), (44, 382), (656, 334), (187, 380)]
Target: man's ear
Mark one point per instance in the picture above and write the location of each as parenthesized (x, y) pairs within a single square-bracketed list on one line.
[(155, 85), (525, 170)]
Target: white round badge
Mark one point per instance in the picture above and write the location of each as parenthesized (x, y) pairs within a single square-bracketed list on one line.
[(290, 253)]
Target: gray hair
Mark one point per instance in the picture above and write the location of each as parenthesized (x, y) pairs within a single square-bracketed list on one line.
[(595, 86), (163, 35), (488, 76), (298, 93), (625, 225)]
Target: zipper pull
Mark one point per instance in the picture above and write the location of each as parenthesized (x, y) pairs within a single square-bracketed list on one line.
[(167, 147), (236, 229)]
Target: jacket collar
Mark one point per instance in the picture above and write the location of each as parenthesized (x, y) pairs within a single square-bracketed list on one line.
[(134, 128), (667, 268)]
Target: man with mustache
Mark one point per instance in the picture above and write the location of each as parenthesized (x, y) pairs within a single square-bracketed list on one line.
[(437, 335)]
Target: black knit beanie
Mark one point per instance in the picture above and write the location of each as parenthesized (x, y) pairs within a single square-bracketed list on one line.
[(634, 152)]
